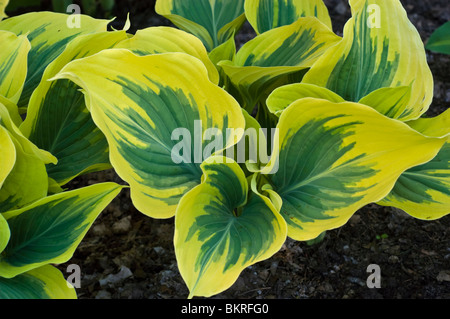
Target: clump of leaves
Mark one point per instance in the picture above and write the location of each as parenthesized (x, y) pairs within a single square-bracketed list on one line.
[(159, 106)]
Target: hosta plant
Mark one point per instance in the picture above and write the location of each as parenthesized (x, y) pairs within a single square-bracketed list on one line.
[(335, 124)]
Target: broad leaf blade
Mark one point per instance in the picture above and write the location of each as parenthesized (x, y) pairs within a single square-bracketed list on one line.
[(298, 44), (139, 102), (212, 21), (58, 120), (220, 230), (46, 282), (48, 34), (380, 49), (13, 64), (265, 15), (424, 191), (49, 230), (334, 159)]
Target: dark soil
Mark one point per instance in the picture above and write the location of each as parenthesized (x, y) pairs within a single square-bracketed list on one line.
[(128, 255)]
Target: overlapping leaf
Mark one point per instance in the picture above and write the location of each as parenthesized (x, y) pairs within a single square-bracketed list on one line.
[(334, 159), (424, 191), (265, 15), (166, 39), (27, 181), (282, 97), (13, 64), (49, 33), (212, 21), (46, 282), (13, 110), (57, 118), (50, 229), (278, 52), (221, 228), (380, 49), (145, 105)]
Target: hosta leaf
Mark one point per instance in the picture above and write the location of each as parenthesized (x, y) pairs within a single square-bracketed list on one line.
[(166, 39), (45, 282), (27, 181), (49, 230), (4, 233), (8, 151), (138, 102), (3, 5), (58, 120), (334, 159), (391, 101), (297, 44), (440, 39), (13, 64), (380, 48), (436, 126), (277, 52), (212, 21), (220, 229), (48, 33), (13, 110), (424, 191), (28, 147), (285, 95), (265, 15)]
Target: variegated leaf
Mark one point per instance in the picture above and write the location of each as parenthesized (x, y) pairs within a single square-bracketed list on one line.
[(155, 40), (221, 228), (27, 181), (265, 15), (285, 95), (275, 53), (50, 229), (13, 64), (334, 159), (154, 111), (45, 282), (424, 191), (212, 21), (57, 119), (380, 49), (49, 33)]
